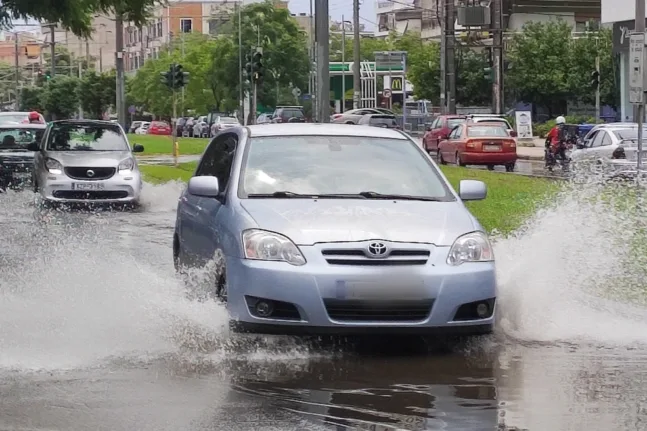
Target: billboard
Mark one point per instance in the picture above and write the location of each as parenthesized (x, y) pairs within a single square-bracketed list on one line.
[(617, 10)]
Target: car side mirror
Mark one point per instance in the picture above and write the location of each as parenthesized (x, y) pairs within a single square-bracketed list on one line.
[(138, 148), (33, 146), (428, 129), (204, 186), (513, 134), (472, 190)]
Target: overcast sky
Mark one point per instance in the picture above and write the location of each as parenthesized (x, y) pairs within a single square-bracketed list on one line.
[(337, 8)]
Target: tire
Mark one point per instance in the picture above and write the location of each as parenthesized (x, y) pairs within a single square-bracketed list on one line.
[(350, 122), (441, 160), (490, 167), (459, 162), (221, 288), (177, 259), (510, 167)]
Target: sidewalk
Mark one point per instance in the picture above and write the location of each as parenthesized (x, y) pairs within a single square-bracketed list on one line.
[(530, 153)]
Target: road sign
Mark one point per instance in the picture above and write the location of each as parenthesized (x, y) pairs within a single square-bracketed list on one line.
[(390, 59), (132, 109), (636, 68), (386, 92), (296, 92)]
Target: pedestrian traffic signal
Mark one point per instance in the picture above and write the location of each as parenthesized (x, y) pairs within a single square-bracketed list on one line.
[(595, 80), (488, 73), (257, 66)]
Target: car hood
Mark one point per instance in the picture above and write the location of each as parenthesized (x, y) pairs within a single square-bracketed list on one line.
[(311, 221), (16, 156), (97, 159)]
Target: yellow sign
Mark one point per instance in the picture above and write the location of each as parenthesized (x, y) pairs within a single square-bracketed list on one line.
[(396, 84)]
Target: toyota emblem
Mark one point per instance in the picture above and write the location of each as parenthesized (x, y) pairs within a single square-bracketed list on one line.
[(377, 249), (90, 173)]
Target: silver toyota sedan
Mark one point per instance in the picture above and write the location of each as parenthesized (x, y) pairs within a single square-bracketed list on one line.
[(86, 161), (330, 229)]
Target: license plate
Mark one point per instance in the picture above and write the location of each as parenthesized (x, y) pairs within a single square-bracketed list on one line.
[(381, 290), (87, 186), (491, 148)]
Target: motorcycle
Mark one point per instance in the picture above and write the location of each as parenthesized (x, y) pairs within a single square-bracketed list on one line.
[(561, 156)]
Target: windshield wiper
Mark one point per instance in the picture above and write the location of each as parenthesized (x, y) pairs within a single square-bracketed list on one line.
[(286, 195), (376, 195)]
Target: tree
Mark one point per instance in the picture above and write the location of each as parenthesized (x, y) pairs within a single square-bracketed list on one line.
[(424, 72), (31, 99), (582, 64), (285, 54), (472, 88), (60, 97), (73, 15), (96, 93), (541, 60), (65, 63)]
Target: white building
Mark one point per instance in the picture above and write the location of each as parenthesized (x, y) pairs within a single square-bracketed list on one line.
[(621, 15)]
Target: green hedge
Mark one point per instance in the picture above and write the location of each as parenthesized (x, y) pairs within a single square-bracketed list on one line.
[(541, 130)]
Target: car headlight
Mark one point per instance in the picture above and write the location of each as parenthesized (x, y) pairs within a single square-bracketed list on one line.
[(127, 165), (263, 245), (471, 247), (53, 166)]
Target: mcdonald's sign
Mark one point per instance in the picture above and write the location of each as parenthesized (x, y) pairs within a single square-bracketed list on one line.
[(396, 84)]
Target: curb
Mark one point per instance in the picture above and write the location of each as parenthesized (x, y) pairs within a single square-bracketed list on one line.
[(530, 158)]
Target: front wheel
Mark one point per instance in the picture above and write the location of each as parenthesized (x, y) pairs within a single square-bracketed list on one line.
[(459, 162), (441, 160), (510, 167)]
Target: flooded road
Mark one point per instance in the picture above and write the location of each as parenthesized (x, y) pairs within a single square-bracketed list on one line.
[(96, 334)]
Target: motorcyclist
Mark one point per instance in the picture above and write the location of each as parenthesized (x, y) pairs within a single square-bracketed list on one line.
[(554, 139), (34, 118)]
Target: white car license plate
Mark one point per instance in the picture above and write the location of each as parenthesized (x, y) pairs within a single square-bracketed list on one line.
[(491, 148), (384, 290), (87, 186)]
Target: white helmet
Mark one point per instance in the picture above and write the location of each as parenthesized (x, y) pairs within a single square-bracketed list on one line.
[(560, 120)]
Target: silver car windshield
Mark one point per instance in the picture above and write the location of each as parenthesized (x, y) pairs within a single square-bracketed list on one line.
[(86, 137), (13, 138), (338, 165)]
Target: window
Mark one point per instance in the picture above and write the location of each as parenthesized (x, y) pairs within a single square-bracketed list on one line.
[(456, 133), (320, 165), (453, 122), (71, 136), (487, 131), (213, 26), (606, 140), (159, 28), (18, 138), (218, 159), (186, 25), (597, 141), (435, 124)]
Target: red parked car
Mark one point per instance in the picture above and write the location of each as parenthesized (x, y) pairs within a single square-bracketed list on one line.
[(439, 130), (159, 128), (479, 143)]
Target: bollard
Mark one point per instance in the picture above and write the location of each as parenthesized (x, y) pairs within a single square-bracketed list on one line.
[(176, 151)]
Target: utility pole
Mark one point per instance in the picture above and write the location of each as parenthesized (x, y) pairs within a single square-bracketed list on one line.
[(53, 49), (343, 66), (322, 30), (443, 58), (241, 80), (357, 81), (87, 54), (597, 88), (311, 53), (17, 64), (451, 56), (119, 64), (497, 61), (640, 109), (80, 76)]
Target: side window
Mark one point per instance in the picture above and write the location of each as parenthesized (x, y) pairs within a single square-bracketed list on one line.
[(597, 141), (606, 140), (455, 133), (589, 139), (218, 159), (435, 124)]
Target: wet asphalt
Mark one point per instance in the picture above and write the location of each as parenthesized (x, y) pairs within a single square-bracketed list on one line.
[(95, 334)]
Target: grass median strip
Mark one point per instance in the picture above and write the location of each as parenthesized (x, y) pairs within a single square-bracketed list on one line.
[(511, 198), (155, 144)]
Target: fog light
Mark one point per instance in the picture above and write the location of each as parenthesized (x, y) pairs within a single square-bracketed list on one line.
[(482, 310), (264, 309)]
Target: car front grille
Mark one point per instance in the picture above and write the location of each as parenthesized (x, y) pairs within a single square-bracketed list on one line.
[(81, 173), (90, 195), (397, 257), (378, 311)]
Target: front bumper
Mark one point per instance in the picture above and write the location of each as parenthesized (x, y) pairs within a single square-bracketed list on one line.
[(120, 188), (314, 299)]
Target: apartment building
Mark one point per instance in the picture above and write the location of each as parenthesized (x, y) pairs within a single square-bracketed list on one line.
[(26, 45), (424, 16)]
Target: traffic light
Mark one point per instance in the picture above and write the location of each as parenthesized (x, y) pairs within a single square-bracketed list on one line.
[(488, 73), (48, 75), (166, 78), (180, 78), (595, 80), (248, 67), (257, 66)]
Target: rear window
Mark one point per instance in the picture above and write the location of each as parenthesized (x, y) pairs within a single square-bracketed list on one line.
[(382, 121), (159, 124), (228, 120), (628, 134), (487, 131), (291, 113), (496, 120), (453, 122)]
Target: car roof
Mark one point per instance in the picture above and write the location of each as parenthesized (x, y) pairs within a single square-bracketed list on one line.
[(484, 123), (103, 122), (323, 129), (21, 125), (484, 119)]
